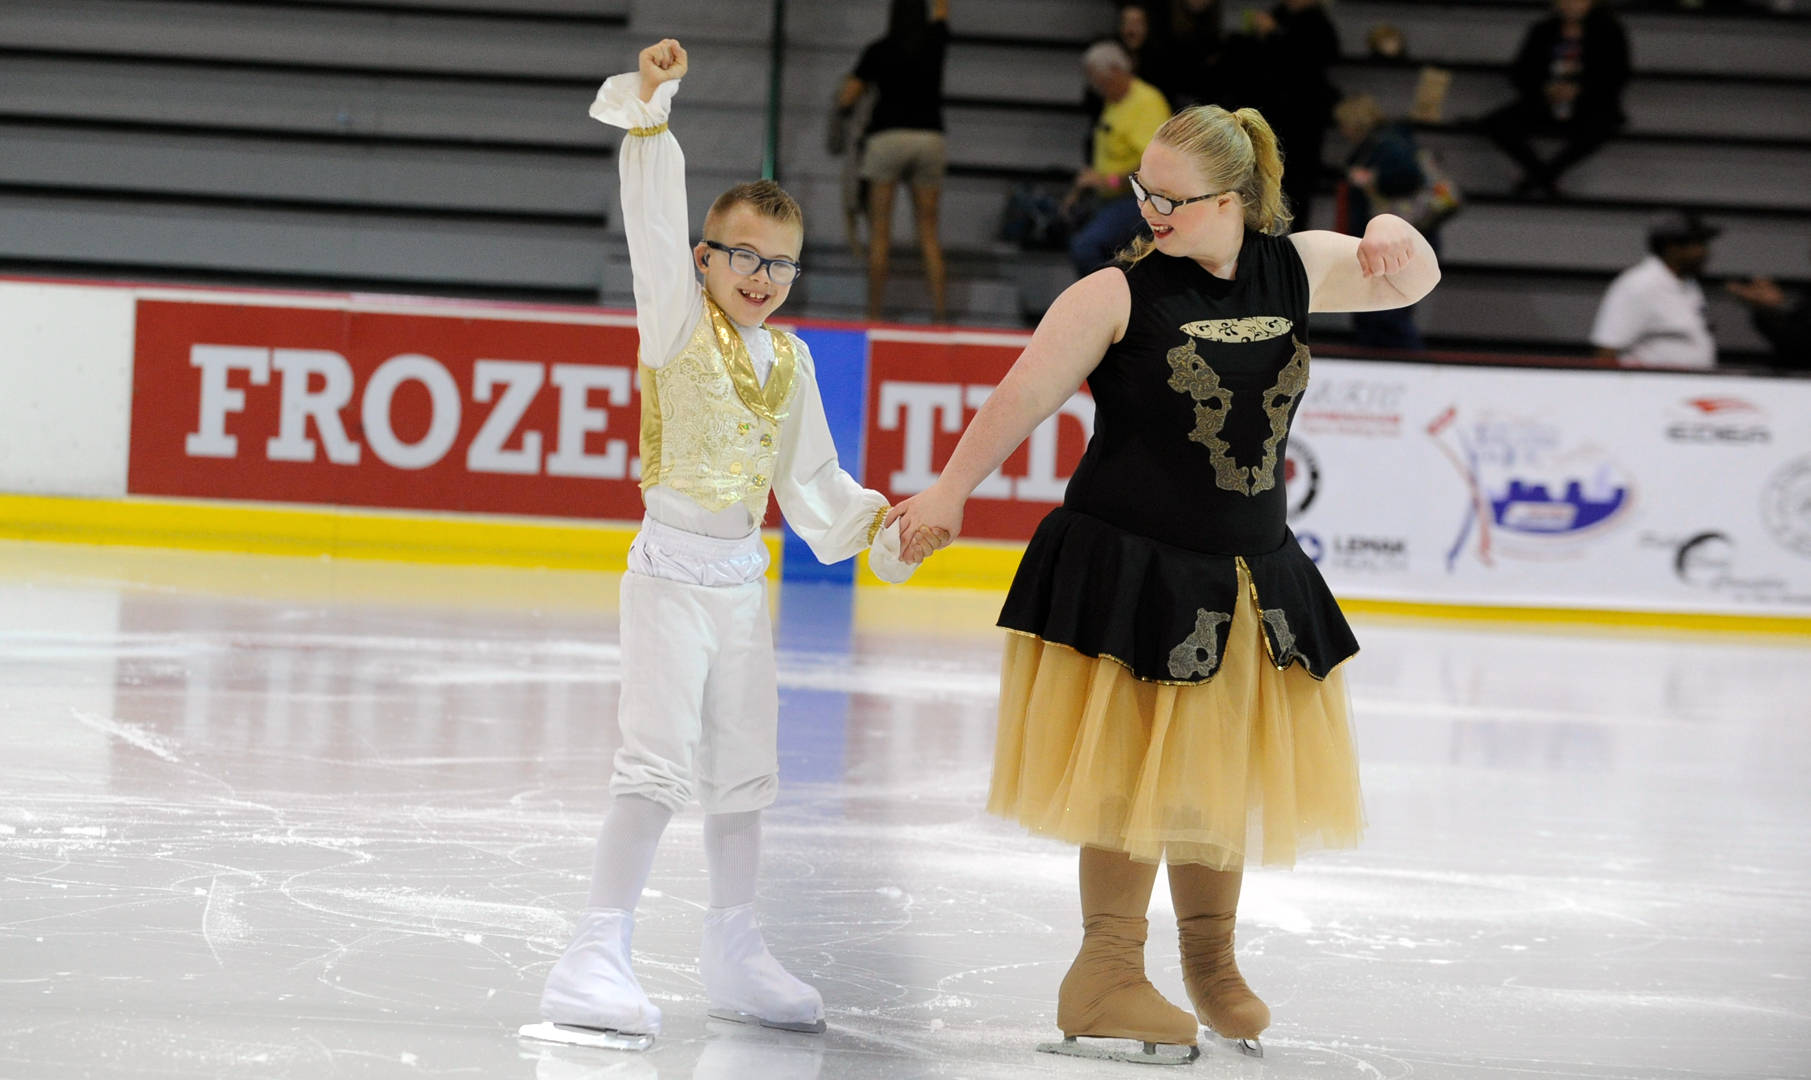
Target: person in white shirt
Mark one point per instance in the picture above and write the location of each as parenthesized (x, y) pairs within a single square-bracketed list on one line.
[(1653, 314), (730, 410)]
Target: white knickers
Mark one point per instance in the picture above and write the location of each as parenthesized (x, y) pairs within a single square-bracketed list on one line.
[(700, 698)]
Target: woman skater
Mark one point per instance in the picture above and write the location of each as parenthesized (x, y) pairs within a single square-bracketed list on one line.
[(1171, 688)]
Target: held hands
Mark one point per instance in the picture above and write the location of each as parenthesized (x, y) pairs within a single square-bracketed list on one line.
[(662, 62), (1388, 246), (928, 521)]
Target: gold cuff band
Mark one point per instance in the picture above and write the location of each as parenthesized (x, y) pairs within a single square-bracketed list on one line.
[(645, 132), (880, 517)]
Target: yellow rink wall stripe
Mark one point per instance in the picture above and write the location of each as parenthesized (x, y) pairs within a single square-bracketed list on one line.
[(989, 566), (344, 533), (397, 536)]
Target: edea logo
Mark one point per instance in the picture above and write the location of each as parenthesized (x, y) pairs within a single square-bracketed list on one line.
[(1718, 421)]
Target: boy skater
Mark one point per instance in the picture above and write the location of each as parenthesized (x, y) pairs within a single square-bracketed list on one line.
[(730, 409)]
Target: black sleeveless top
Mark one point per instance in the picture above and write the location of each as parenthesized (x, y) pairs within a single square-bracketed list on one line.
[(1183, 480)]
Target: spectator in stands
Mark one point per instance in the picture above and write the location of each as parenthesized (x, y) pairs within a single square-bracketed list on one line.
[(1196, 38), (1387, 44), (1569, 76), (1653, 314), (905, 140), (1784, 322), (1280, 65), (1100, 197), (1383, 173), (1145, 38), (1151, 47)]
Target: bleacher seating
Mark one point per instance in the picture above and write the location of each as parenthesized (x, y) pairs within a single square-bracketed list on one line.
[(442, 145)]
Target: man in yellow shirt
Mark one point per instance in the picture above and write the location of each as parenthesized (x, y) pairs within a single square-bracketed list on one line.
[(1134, 111)]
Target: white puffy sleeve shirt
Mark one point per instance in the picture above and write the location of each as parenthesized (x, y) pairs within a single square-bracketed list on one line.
[(821, 501)]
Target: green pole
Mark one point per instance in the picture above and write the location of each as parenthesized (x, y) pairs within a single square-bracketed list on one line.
[(776, 59)]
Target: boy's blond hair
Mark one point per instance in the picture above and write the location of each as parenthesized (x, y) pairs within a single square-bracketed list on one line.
[(764, 197)]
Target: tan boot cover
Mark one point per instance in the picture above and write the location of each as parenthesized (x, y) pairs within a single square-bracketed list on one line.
[(1106, 993), (1206, 905)]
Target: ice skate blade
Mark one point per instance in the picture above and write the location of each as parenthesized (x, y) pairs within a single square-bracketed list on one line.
[(597, 1038), (1109, 1050), (803, 1027), (1248, 1047)]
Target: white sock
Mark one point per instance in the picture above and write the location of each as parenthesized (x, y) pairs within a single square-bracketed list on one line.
[(732, 850), (625, 851)]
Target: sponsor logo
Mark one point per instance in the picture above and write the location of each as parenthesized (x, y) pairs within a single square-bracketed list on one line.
[(1532, 491), (1786, 505), (1704, 559), (1301, 477), (1343, 405), (1709, 561), (922, 394), (366, 408), (1357, 554), (1718, 421)]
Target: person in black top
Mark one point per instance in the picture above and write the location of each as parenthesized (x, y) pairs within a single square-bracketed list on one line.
[(1144, 32), (905, 140), (1782, 320), (1171, 689), (1569, 75), (1279, 64), (1195, 42)]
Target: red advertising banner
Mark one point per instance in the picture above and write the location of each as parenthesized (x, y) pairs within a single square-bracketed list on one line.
[(922, 392), (361, 408)]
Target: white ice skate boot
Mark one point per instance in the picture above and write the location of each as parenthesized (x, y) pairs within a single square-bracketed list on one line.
[(592, 998), (743, 980)]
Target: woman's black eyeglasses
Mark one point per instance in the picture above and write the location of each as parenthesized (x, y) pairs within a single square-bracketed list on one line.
[(746, 263), (1163, 204)]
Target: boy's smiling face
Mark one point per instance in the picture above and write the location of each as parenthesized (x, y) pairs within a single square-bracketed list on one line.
[(747, 298)]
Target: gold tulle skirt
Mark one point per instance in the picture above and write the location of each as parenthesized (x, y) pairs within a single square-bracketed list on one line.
[(1253, 766)]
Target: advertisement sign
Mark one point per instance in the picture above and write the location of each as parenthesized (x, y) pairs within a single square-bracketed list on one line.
[(1421, 482), (1557, 488), (369, 408), (923, 389)]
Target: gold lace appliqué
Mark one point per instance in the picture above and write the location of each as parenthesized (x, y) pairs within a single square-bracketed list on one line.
[(1199, 653), (1240, 331), (1284, 638), (1191, 374), (1278, 400)]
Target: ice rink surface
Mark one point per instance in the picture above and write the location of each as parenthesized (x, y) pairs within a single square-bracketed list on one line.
[(266, 817)]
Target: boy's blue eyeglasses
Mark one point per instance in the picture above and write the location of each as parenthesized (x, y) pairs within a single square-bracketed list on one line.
[(1163, 204), (746, 263)]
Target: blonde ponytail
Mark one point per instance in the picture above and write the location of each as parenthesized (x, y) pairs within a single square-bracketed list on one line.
[(1235, 152), (1265, 209)]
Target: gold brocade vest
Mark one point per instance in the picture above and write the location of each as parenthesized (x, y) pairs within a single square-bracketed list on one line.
[(709, 429)]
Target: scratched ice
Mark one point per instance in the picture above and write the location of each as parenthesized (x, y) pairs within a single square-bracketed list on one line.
[(273, 818)]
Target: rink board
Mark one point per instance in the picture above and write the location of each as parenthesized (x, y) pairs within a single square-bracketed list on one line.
[(376, 426)]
